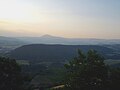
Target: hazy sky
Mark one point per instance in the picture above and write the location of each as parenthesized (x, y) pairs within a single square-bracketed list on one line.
[(67, 18)]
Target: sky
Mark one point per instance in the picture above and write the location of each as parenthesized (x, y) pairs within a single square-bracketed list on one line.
[(65, 18)]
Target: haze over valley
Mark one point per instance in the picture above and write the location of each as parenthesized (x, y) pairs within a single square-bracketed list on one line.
[(59, 44)]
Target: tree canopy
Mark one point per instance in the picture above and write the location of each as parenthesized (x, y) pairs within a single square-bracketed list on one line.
[(10, 75), (87, 72)]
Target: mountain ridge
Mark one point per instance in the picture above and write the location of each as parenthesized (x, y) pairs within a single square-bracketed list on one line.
[(49, 39)]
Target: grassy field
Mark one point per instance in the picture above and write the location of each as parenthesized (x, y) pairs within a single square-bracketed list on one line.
[(112, 62), (23, 62)]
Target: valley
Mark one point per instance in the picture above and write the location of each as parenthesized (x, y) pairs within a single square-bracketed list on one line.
[(44, 61)]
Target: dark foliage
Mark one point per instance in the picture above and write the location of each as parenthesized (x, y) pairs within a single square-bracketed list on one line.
[(10, 75), (88, 72), (115, 79)]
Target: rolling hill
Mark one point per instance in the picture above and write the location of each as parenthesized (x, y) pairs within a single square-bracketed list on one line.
[(59, 53)]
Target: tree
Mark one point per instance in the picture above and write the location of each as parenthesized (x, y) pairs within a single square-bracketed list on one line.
[(115, 79), (87, 72), (10, 75)]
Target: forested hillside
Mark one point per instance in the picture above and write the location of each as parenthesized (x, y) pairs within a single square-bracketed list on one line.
[(59, 53)]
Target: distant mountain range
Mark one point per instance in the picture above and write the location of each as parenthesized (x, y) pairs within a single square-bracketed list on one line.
[(48, 39)]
